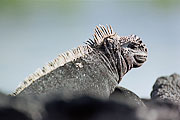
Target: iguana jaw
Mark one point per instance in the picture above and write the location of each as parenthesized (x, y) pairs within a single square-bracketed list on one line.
[(139, 60), (134, 50)]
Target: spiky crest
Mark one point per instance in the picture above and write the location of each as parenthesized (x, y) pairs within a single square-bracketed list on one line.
[(100, 33), (59, 61)]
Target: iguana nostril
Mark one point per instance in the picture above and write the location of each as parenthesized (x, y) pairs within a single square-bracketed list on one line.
[(145, 50)]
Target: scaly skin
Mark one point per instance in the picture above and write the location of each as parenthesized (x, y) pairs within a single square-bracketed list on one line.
[(94, 69)]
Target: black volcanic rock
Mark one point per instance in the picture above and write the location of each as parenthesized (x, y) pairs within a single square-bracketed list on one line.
[(86, 108), (83, 108), (159, 110), (122, 105), (123, 95), (20, 108), (167, 88), (8, 112), (12, 114)]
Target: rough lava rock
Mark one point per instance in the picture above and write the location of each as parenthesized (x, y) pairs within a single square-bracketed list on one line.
[(167, 88)]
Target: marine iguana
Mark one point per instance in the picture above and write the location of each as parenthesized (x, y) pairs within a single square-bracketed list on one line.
[(93, 69)]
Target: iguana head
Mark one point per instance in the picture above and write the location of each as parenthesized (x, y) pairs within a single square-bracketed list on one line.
[(133, 49), (123, 52)]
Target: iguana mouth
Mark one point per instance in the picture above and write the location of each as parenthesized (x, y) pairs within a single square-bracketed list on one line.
[(140, 58)]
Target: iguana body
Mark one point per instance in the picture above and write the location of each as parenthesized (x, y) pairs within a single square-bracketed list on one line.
[(94, 69)]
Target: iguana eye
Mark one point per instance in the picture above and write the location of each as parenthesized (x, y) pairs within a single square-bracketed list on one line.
[(132, 46)]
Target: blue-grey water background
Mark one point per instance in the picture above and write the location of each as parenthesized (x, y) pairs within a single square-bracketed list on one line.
[(34, 32)]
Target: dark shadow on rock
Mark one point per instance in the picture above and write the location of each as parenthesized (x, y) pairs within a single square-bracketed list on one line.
[(12, 114), (83, 108), (86, 108), (20, 108)]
